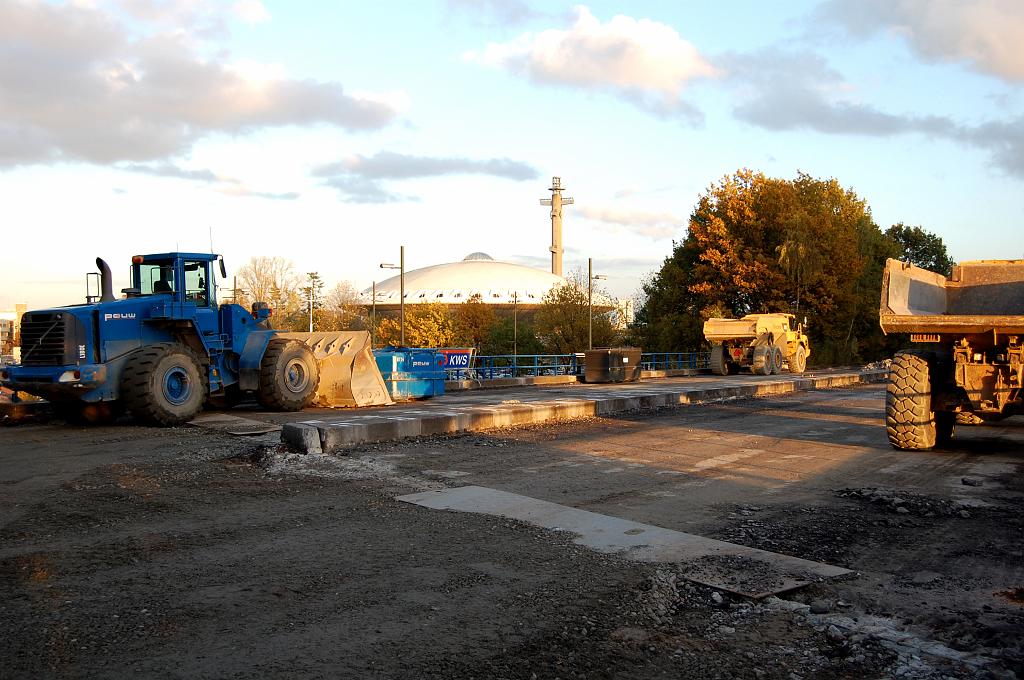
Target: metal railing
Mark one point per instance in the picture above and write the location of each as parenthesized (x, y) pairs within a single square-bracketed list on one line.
[(665, 361), (489, 367)]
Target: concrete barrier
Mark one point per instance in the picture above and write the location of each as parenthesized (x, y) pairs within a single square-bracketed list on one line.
[(438, 418)]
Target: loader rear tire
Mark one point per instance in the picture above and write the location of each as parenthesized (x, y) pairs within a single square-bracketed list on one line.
[(798, 360), (289, 376), (164, 384), (719, 365), (909, 420)]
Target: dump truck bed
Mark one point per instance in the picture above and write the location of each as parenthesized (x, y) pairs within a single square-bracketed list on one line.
[(982, 296)]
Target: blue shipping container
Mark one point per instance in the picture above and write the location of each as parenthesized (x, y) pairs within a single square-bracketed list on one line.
[(411, 373)]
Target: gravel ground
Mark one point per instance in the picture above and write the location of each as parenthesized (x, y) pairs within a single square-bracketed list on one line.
[(184, 553)]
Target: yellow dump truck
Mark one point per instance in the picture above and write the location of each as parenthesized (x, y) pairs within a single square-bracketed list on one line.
[(969, 361), (760, 342)]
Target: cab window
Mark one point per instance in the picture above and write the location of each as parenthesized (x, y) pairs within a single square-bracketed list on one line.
[(156, 278), (195, 282)]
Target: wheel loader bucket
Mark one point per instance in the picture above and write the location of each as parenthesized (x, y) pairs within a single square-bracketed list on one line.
[(348, 372)]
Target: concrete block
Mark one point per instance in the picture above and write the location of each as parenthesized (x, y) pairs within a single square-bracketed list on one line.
[(340, 435), (439, 423), (302, 438)]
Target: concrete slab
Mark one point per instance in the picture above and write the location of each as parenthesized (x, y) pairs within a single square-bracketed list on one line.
[(235, 425), (482, 411), (727, 566)]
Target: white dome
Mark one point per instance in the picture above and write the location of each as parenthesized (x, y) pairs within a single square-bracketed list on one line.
[(500, 283)]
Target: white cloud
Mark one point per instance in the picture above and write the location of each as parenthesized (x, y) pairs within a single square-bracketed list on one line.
[(358, 178), (987, 34), (643, 61), (660, 225), (86, 88), (251, 11)]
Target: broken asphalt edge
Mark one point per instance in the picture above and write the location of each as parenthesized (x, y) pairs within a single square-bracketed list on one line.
[(328, 437)]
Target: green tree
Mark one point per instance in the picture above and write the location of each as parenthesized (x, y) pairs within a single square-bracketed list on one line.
[(426, 325), (310, 295), (920, 247), (507, 332), (561, 321), (763, 244), (473, 321)]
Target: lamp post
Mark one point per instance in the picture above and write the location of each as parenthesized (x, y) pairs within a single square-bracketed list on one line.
[(515, 331), (401, 291), (373, 313), (590, 300)]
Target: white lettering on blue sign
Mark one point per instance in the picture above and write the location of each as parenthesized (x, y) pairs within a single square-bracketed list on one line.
[(115, 317)]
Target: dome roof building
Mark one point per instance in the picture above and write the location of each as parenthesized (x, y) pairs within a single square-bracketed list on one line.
[(496, 282)]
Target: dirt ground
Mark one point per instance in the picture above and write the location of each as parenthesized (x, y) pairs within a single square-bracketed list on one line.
[(189, 553)]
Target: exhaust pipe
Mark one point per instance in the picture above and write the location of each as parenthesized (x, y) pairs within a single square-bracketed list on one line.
[(106, 281)]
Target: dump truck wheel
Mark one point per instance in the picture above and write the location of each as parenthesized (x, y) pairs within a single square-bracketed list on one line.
[(762, 364), (719, 366), (289, 376), (798, 360), (909, 419), (776, 356), (164, 384)]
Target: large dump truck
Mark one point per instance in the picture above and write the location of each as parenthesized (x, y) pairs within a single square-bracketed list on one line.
[(167, 347), (969, 363), (760, 342)]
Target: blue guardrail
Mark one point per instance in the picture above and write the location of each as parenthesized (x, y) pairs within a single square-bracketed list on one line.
[(490, 367)]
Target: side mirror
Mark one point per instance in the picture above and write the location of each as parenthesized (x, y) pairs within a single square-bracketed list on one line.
[(223, 270)]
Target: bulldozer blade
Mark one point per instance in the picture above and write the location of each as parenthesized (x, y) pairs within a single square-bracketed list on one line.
[(348, 372)]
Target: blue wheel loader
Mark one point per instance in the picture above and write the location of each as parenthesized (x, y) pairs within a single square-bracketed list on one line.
[(166, 348)]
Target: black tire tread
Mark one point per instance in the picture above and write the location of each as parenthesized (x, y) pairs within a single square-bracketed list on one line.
[(719, 366), (137, 394), (909, 420), (270, 395)]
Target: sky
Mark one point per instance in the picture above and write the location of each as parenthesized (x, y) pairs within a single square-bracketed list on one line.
[(332, 133)]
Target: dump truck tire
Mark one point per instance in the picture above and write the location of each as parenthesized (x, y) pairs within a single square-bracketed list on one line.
[(289, 376), (762, 361), (798, 360), (719, 366), (164, 384), (909, 420), (776, 357)]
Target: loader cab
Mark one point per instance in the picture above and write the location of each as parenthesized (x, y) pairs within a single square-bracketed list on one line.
[(186, 277)]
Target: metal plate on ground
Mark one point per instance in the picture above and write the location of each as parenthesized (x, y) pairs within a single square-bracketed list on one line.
[(235, 425), (726, 566)]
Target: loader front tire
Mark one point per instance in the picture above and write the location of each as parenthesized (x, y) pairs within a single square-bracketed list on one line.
[(719, 364), (798, 360), (909, 420), (776, 357), (289, 376), (164, 384)]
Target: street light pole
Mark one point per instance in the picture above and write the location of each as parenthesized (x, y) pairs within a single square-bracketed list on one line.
[(401, 291), (515, 323), (590, 300), (373, 314)]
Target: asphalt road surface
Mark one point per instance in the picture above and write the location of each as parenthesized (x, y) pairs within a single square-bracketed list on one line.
[(188, 552)]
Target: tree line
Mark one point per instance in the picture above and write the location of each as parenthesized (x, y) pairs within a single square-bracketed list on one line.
[(557, 326), (755, 244), (763, 244)]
